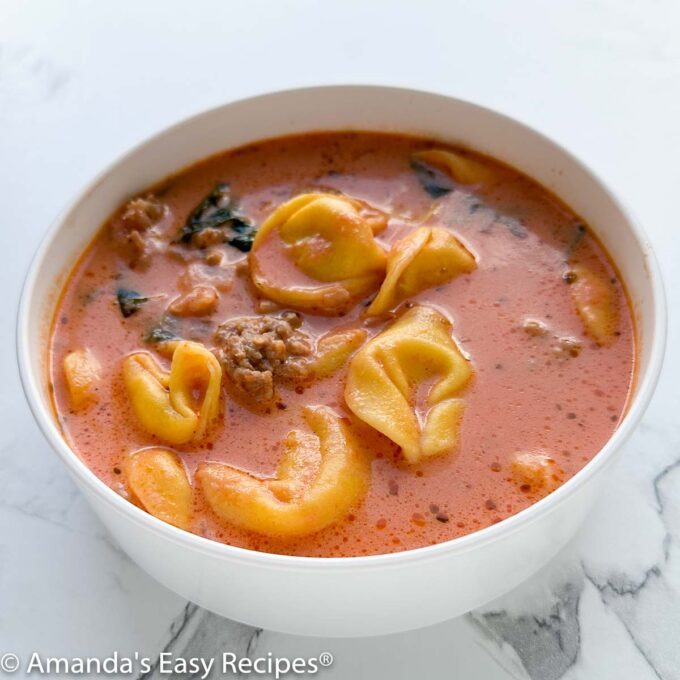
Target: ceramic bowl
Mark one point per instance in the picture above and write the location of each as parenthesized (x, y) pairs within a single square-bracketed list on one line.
[(353, 596)]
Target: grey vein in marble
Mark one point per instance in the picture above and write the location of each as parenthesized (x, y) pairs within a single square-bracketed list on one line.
[(655, 595), (198, 633), (547, 643)]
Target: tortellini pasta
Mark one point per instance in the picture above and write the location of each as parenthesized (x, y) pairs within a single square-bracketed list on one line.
[(462, 169), (82, 371), (596, 302), (387, 374), (333, 350), (427, 257), (178, 406), (321, 476), (329, 241), (157, 481)]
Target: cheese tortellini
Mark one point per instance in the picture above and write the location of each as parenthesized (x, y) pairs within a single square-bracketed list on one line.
[(329, 241), (82, 371), (157, 481), (386, 378), (333, 350), (427, 257), (596, 302), (321, 476), (178, 406), (462, 169)]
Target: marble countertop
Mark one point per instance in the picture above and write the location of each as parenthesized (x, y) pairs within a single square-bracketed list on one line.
[(81, 82)]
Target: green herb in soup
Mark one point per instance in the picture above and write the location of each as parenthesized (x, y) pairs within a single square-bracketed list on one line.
[(129, 301), (216, 220)]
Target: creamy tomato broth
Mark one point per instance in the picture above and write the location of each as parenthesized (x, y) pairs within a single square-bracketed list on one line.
[(468, 370)]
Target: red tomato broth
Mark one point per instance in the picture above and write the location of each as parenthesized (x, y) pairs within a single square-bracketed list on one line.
[(522, 397)]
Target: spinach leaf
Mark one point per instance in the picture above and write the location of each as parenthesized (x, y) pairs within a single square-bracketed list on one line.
[(217, 211), (166, 329), (129, 301), (433, 180), (243, 236)]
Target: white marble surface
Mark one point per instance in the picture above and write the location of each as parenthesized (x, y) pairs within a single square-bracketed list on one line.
[(80, 82)]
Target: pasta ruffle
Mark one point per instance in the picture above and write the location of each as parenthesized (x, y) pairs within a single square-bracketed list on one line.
[(157, 481), (321, 475), (386, 374), (329, 240), (426, 258), (82, 371), (178, 406), (462, 169), (596, 301)]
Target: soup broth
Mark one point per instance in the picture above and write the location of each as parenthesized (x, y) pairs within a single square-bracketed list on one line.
[(516, 298)]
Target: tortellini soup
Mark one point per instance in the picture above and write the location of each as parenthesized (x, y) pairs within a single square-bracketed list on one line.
[(341, 344)]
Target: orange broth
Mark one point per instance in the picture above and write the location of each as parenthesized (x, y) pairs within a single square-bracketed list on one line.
[(523, 397)]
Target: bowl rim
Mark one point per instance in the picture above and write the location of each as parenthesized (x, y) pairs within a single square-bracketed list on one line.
[(638, 404)]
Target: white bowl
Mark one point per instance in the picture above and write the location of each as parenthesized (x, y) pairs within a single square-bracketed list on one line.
[(358, 595)]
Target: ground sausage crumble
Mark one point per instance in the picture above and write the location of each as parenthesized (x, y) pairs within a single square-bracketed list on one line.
[(256, 351), (136, 234)]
